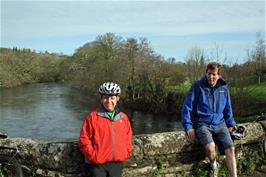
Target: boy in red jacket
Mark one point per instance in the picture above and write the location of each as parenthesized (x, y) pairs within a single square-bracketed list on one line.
[(106, 135)]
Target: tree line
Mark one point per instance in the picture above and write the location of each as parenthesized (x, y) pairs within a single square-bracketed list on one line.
[(23, 66), (149, 81)]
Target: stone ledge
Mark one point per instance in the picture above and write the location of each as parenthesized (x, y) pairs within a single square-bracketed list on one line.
[(168, 150)]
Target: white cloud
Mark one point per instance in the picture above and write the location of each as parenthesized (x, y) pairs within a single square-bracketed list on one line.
[(29, 19), (64, 26)]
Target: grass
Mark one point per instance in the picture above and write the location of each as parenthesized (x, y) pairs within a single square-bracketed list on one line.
[(181, 88), (257, 91), (247, 101), (253, 91)]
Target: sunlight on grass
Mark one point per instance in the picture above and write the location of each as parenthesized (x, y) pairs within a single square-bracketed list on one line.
[(258, 91), (255, 91), (181, 88)]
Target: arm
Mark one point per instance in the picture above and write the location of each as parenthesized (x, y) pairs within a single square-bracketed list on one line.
[(228, 112), (187, 109), (129, 138), (85, 139)]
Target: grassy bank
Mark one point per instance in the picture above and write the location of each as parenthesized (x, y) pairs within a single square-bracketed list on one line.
[(257, 91)]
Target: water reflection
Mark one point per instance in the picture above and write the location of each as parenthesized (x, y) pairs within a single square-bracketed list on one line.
[(55, 112)]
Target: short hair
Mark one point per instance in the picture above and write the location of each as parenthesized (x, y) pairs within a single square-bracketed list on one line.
[(213, 66)]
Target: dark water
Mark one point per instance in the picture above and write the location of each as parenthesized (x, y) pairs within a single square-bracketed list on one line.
[(55, 112)]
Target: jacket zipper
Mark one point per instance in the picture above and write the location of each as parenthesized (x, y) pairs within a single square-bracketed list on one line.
[(113, 141), (211, 101), (218, 100)]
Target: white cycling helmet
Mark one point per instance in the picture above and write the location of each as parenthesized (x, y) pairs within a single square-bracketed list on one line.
[(109, 88)]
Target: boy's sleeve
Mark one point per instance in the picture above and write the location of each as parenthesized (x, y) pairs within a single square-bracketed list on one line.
[(129, 138), (85, 139)]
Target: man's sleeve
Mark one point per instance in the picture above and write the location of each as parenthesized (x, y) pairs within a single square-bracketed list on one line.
[(187, 109), (228, 112)]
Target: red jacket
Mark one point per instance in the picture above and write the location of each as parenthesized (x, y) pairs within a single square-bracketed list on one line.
[(104, 140)]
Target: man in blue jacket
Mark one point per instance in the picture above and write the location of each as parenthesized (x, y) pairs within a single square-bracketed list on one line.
[(207, 114)]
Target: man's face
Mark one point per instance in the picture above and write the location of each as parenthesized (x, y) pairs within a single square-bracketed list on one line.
[(109, 102), (212, 77)]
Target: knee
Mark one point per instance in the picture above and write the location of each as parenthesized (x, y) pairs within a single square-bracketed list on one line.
[(230, 152), (210, 148)]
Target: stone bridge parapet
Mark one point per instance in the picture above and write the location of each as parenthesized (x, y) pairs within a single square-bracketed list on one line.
[(167, 154)]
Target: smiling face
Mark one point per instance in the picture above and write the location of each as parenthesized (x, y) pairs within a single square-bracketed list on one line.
[(109, 102), (212, 76)]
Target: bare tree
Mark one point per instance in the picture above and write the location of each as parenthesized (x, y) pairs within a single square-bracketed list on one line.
[(217, 54), (258, 58), (195, 61)]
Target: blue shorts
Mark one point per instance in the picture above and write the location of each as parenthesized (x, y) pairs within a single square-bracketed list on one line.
[(219, 135)]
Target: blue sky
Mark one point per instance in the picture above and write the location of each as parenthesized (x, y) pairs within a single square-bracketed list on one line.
[(172, 27)]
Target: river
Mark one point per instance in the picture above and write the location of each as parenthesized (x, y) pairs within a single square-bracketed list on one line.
[(55, 112)]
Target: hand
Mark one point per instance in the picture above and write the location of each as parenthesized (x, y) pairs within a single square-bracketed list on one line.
[(231, 129), (191, 134)]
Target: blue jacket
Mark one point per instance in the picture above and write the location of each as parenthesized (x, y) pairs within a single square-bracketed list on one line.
[(206, 105)]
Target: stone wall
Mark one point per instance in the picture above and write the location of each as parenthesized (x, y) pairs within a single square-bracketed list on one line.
[(162, 154)]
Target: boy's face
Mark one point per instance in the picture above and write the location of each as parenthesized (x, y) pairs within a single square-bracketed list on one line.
[(109, 102), (212, 77)]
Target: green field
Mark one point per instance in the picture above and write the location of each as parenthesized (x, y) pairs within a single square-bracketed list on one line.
[(254, 91), (247, 101), (258, 91)]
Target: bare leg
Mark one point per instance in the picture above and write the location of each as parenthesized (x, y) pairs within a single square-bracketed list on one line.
[(210, 152), (230, 161)]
